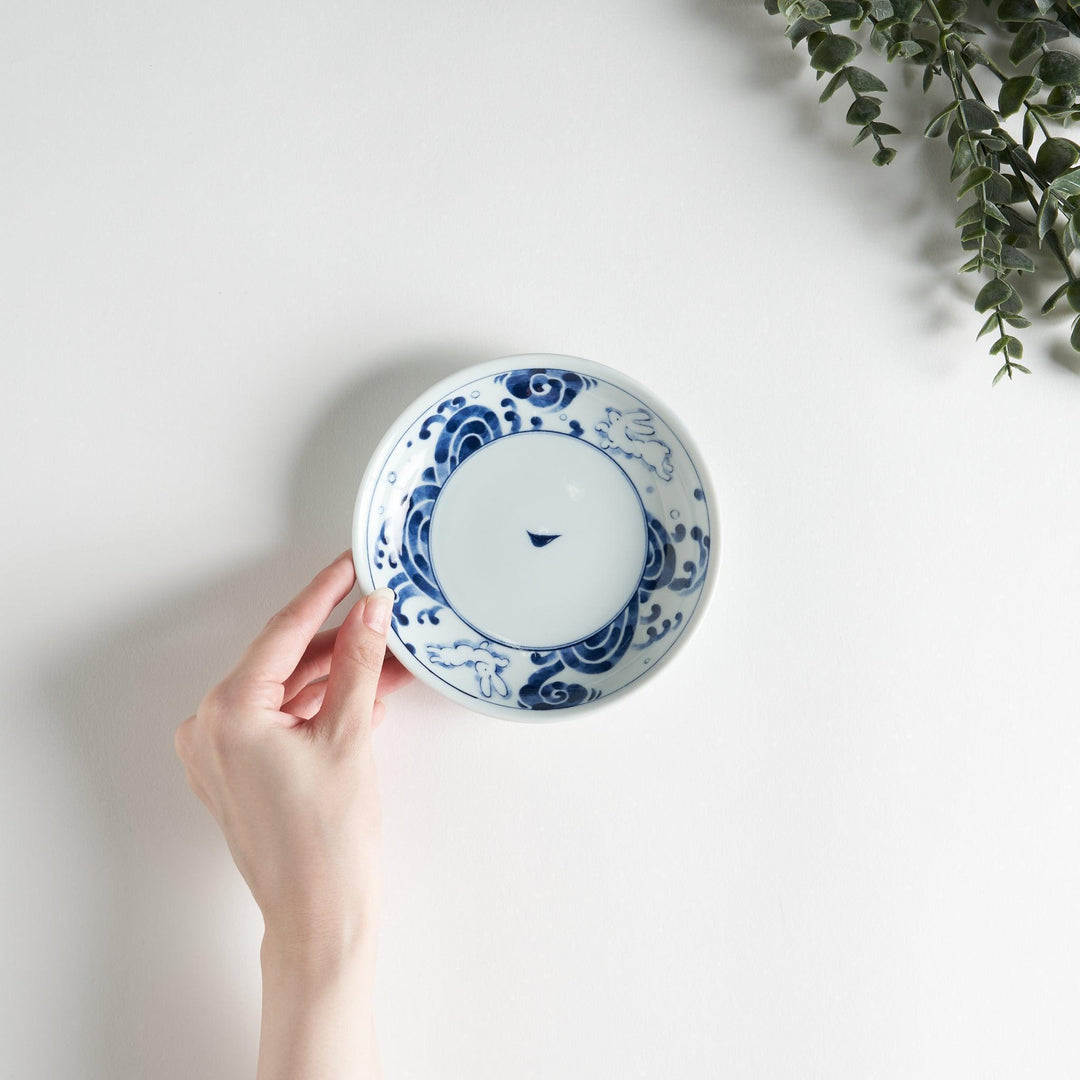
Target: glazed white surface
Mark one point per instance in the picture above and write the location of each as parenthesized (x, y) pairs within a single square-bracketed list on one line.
[(836, 838), (506, 586)]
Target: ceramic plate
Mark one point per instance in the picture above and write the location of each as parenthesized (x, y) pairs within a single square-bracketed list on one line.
[(548, 531)]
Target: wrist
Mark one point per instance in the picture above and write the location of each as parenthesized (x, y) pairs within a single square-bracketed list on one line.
[(317, 956), (317, 1007)]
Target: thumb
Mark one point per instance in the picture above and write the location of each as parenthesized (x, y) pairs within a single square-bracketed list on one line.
[(355, 666)]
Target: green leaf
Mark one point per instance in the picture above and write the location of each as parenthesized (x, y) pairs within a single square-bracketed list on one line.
[(1020, 367), (992, 294), (971, 264), (1030, 125), (997, 189), (904, 50), (815, 9), (1019, 227), (979, 175), (962, 158), (1044, 220), (863, 82), (972, 54), (970, 216), (1012, 258), (1067, 184), (884, 156), (1017, 11), (1051, 301), (833, 53), (1055, 157), (843, 10), (1074, 337), (1001, 371), (1057, 68), (1030, 39), (1072, 294), (1014, 92), (801, 28), (1060, 99), (1070, 241), (940, 122), (1012, 306), (927, 53), (977, 116), (1018, 321), (1056, 30), (833, 85), (906, 10), (864, 109), (1022, 158), (951, 10), (990, 324)]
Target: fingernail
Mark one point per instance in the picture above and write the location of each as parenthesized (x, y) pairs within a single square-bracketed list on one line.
[(377, 610)]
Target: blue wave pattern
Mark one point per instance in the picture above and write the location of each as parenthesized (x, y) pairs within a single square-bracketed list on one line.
[(460, 429), (545, 388), (601, 651)]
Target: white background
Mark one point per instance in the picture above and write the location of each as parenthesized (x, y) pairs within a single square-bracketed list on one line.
[(835, 837)]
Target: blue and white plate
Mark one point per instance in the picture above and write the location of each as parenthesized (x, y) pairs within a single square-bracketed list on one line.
[(548, 531)]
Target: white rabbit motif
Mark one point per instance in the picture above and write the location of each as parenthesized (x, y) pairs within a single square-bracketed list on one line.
[(486, 663), (630, 433)]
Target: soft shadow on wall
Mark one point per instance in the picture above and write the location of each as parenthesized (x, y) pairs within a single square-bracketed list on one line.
[(153, 987)]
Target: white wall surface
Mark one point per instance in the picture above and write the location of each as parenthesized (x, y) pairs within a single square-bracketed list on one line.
[(835, 837)]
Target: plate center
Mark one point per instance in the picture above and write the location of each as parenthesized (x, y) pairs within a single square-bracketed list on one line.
[(538, 539)]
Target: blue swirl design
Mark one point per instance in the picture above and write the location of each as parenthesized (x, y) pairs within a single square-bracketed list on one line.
[(384, 550), (601, 651), (660, 564), (652, 635), (415, 578), (597, 653), (462, 430), (545, 388)]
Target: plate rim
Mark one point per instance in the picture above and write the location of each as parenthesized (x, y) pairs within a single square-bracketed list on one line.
[(422, 403)]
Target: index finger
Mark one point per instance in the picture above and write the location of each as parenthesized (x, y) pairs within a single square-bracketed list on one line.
[(274, 654)]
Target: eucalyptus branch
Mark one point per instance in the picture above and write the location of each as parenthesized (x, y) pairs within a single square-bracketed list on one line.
[(988, 160)]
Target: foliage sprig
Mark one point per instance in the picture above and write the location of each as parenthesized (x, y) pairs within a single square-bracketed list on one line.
[(1021, 175)]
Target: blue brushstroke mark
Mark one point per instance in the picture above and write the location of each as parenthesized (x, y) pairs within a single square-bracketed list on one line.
[(542, 539)]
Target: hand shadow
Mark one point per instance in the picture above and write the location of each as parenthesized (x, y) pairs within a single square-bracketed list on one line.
[(154, 991)]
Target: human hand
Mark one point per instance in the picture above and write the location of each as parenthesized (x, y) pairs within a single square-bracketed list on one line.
[(281, 755), (280, 752)]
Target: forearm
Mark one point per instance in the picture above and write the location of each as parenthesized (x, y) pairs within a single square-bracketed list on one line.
[(317, 1018)]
